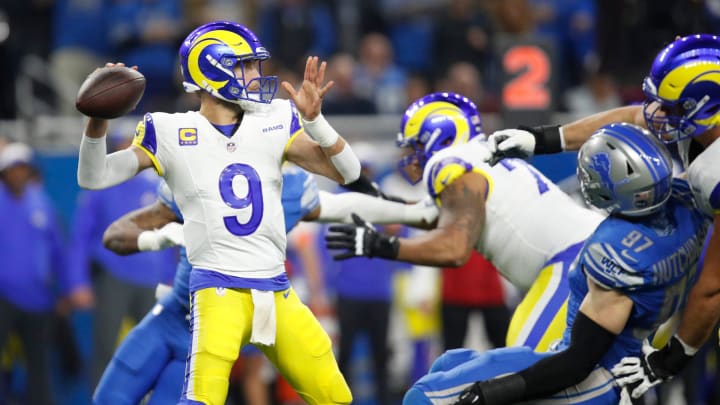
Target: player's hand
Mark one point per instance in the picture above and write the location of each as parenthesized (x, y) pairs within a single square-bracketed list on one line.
[(119, 64), (639, 374), (471, 395), (168, 236), (361, 239), (171, 235), (308, 99), (518, 143)]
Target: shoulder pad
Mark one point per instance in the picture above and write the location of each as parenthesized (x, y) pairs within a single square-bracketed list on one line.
[(145, 134), (444, 172), (606, 266)]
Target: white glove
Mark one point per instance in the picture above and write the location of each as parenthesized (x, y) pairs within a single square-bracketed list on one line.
[(169, 235), (630, 373), (625, 397), (512, 143)]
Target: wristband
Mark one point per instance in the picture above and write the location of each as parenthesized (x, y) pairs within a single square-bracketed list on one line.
[(386, 247), (503, 390), (148, 241), (548, 138), (321, 131)]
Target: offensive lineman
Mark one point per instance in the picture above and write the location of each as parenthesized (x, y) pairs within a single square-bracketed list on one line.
[(510, 213)]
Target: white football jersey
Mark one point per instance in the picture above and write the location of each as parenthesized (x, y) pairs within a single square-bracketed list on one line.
[(704, 179), (227, 188), (528, 219)]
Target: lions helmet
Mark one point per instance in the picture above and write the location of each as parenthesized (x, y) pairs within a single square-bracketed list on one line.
[(209, 55), (625, 170), (433, 123), (683, 88)]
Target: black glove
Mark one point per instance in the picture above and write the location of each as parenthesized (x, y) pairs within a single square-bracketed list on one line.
[(369, 187), (471, 395), (639, 374), (361, 239)]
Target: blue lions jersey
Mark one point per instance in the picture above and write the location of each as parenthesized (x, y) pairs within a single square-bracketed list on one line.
[(641, 259), (299, 197)]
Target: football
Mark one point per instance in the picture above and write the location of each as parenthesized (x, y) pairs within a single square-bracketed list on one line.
[(110, 92)]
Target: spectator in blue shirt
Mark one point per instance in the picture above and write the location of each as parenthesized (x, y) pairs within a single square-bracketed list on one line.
[(33, 274), (124, 285)]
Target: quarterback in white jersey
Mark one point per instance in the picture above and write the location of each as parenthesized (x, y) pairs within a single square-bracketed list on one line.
[(223, 165), (509, 212), (226, 186), (682, 107)]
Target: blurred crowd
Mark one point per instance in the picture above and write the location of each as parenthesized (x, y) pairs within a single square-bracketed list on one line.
[(66, 301), (382, 53)]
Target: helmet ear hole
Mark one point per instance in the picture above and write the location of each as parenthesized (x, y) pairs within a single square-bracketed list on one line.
[(630, 169)]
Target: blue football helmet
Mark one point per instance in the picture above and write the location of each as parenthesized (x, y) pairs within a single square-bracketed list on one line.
[(209, 55), (433, 123), (683, 88), (625, 170)]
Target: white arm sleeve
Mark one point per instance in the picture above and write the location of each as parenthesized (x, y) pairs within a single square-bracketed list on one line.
[(339, 207), (347, 164), (97, 170)]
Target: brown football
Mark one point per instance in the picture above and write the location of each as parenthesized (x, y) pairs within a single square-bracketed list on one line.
[(110, 92)]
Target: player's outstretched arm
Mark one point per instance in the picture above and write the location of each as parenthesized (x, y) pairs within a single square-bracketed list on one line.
[(526, 141), (576, 133), (327, 153), (450, 244), (97, 169), (602, 316), (153, 227), (340, 207)]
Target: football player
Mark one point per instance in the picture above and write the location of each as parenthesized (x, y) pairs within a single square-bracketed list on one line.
[(222, 164), (632, 274), (682, 106), (510, 213), (152, 356)]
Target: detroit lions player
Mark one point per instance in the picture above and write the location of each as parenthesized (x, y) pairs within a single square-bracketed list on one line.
[(682, 104), (632, 274), (222, 164), (152, 357), (510, 213)]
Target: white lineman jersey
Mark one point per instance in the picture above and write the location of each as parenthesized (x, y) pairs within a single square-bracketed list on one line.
[(704, 179), (228, 189), (528, 218)]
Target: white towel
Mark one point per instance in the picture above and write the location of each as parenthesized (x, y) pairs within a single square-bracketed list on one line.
[(263, 324)]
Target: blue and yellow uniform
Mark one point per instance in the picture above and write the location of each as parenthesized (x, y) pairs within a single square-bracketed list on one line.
[(152, 357), (652, 261)]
